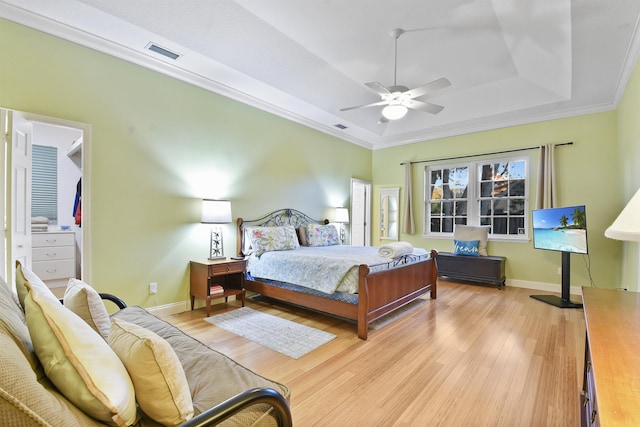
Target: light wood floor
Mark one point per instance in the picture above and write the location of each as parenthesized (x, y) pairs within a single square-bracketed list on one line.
[(476, 356)]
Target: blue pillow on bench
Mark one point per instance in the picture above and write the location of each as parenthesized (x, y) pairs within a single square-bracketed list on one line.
[(466, 247)]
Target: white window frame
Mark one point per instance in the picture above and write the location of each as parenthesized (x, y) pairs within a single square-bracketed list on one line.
[(473, 197)]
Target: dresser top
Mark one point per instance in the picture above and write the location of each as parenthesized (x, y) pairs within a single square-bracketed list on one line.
[(613, 328)]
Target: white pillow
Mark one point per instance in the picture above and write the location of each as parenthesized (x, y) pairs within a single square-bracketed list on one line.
[(163, 392), (470, 233), (85, 301), (79, 361)]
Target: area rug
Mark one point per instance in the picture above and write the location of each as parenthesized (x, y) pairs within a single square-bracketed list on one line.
[(398, 314), (284, 336)]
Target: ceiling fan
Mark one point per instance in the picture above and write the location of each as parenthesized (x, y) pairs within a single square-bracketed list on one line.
[(399, 99)]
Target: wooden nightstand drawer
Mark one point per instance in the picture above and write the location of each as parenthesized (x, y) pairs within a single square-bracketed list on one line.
[(229, 267)]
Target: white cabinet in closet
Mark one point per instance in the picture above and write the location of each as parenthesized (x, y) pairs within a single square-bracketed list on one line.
[(54, 256)]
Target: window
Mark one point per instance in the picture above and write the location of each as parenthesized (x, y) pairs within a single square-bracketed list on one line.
[(44, 182), (489, 192)]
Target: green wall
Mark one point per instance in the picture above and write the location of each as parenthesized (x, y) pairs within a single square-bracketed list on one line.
[(157, 147), (584, 172)]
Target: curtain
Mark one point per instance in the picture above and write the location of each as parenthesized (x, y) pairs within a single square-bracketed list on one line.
[(546, 197), (408, 226)]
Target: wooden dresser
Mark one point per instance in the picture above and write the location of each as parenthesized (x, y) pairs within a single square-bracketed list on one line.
[(611, 389)]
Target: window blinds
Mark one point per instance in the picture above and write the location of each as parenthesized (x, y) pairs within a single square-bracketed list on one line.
[(44, 182)]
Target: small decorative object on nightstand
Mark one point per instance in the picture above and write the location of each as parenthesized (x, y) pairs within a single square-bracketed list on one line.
[(215, 279), (216, 212)]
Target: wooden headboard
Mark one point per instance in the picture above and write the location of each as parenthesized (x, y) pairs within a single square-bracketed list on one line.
[(277, 218)]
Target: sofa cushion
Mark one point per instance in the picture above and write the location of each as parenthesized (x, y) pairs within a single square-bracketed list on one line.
[(85, 301), (201, 365), (13, 323), (163, 392), (26, 400), (79, 361), (24, 276)]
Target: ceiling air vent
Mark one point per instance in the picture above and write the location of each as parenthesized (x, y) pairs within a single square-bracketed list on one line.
[(340, 126), (162, 51)]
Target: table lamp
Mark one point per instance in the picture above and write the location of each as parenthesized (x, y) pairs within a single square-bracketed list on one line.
[(627, 225), (216, 212)]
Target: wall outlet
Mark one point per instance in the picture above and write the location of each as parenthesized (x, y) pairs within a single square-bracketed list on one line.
[(559, 271), (153, 288)]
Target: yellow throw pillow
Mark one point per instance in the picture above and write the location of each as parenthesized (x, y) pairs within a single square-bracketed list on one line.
[(85, 301), (24, 276), (163, 391), (79, 361)]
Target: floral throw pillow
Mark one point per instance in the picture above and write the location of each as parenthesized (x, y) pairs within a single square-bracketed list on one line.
[(265, 239), (322, 235), (466, 247)]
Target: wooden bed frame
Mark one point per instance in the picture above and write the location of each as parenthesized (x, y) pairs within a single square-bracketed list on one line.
[(379, 293)]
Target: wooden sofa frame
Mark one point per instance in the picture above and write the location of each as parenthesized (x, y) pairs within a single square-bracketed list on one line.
[(379, 293)]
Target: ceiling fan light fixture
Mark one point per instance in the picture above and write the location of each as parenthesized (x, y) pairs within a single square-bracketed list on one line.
[(394, 111)]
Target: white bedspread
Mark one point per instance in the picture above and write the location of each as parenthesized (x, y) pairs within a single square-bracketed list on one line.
[(322, 268)]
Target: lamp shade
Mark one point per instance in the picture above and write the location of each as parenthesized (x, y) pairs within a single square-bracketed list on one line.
[(394, 111), (627, 225), (216, 211), (341, 215)]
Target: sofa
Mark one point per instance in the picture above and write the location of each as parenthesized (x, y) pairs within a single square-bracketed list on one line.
[(73, 364)]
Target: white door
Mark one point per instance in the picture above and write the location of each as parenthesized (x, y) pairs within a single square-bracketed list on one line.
[(21, 190), (360, 212)]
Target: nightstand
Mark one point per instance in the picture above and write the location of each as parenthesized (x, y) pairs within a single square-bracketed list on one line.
[(226, 273)]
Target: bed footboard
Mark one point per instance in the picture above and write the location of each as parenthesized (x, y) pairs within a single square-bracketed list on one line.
[(382, 292)]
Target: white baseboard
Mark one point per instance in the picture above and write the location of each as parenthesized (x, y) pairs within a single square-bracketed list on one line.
[(543, 286), (168, 309)]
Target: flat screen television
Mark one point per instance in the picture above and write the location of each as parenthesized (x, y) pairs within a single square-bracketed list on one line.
[(560, 229), (565, 230)]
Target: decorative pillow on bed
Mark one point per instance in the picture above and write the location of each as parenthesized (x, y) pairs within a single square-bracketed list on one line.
[(466, 247), (471, 232), (265, 239), (322, 235)]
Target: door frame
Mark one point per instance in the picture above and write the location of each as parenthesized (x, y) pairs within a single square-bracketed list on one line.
[(85, 161), (364, 207)]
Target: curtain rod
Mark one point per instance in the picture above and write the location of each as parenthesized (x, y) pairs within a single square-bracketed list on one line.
[(484, 154)]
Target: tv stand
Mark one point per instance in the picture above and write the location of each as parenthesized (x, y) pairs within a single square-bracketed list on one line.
[(564, 301)]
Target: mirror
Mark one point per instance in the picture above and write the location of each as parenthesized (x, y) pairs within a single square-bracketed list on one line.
[(389, 218)]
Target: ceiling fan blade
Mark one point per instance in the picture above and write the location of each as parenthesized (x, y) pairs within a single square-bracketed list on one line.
[(441, 83), (378, 88), (373, 104), (382, 120), (423, 106)]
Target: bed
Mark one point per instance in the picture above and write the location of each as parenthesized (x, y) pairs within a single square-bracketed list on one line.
[(380, 287)]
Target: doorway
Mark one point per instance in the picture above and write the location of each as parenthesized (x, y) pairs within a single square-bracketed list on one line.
[(360, 212), (34, 220)]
